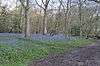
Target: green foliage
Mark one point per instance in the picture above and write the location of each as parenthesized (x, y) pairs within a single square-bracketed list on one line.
[(26, 50), (75, 30), (9, 21), (3, 20), (16, 22)]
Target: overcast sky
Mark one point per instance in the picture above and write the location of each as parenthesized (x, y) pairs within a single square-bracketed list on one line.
[(12, 3)]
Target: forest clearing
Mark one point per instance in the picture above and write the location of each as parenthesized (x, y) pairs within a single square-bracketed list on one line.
[(49, 32)]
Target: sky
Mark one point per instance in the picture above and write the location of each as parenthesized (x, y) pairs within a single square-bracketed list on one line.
[(9, 3), (12, 3)]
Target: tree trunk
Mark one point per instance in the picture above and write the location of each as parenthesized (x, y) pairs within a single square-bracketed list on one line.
[(80, 16), (66, 19), (45, 23), (27, 24)]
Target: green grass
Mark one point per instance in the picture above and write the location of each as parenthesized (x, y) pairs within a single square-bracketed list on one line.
[(27, 50)]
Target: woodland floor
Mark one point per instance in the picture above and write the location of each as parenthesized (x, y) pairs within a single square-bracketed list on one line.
[(83, 56)]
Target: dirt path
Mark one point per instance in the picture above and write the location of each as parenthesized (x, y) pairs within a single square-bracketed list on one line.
[(84, 56)]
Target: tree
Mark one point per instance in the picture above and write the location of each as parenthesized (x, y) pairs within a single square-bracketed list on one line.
[(44, 7), (66, 9), (25, 5), (80, 16)]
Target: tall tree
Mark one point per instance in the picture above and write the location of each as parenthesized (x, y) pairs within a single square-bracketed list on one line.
[(44, 7), (66, 10), (80, 16), (25, 5)]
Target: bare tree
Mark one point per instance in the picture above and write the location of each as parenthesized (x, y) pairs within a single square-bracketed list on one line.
[(80, 16), (66, 8), (25, 5), (44, 7)]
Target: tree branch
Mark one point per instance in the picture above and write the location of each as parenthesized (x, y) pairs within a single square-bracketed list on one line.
[(43, 2), (22, 3), (39, 4)]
